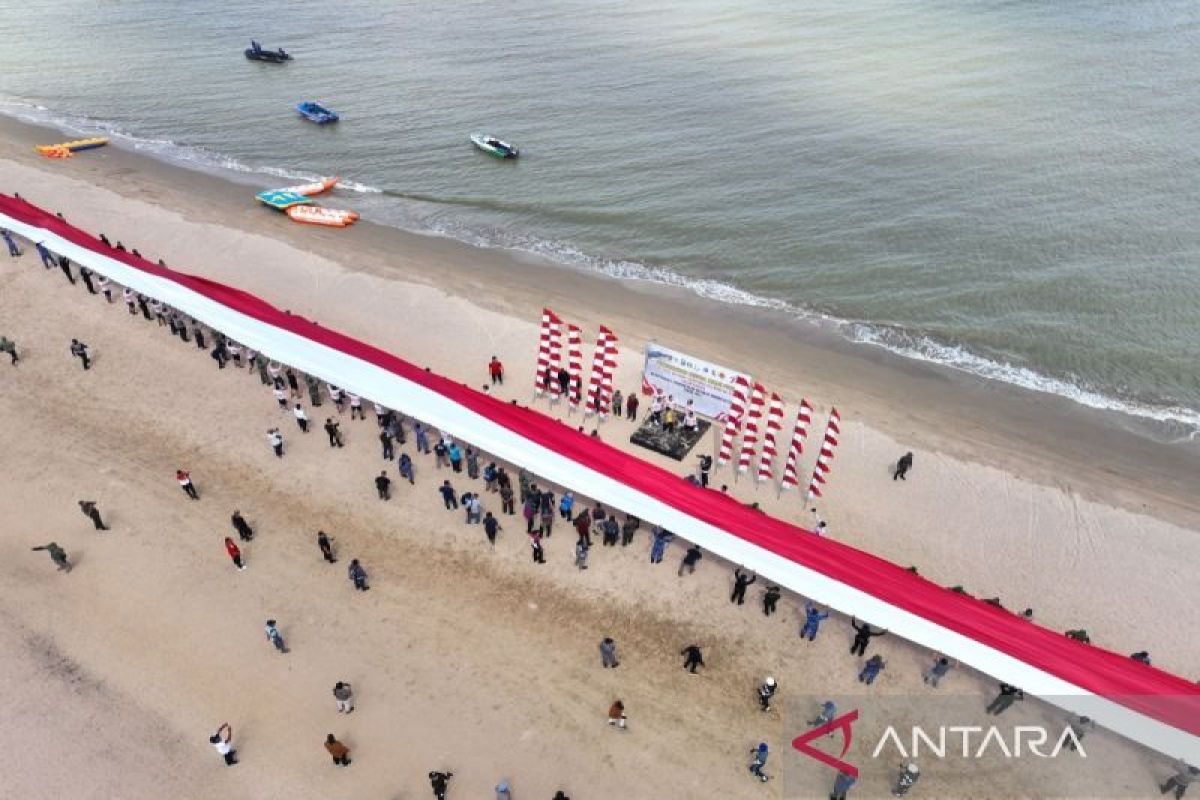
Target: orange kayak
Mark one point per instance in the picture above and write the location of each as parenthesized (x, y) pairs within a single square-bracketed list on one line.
[(310, 189), (313, 215)]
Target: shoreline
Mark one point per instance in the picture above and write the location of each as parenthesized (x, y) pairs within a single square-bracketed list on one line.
[(1102, 455)]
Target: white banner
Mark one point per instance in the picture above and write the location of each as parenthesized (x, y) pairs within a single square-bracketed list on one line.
[(709, 386)]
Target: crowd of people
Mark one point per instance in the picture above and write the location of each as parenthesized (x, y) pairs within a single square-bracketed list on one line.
[(540, 508)]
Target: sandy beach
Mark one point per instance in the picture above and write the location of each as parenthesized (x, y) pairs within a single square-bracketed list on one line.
[(465, 658)]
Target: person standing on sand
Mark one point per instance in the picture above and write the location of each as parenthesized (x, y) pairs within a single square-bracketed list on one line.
[(560, 795), (906, 780), (659, 547), (105, 287), (356, 409), (862, 637), (275, 439), (293, 384), (693, 555), (80, 351), (448, 497), (221, 742), (9, 346), (871, 669), (235, 553), (496, 371), (841, 785), (692, 658), (608, 653), (941, 666), (564, 381), (813, 617), (765, 692), (535, 545), (357, 575), (13, 250), (491, 526), (902, 467), (57, 555), (422, 435), (88, 507), (385, 439), (339, 751), (185, 482), (405, 466), (758, 761), (314, 391), (472, 459), (616, 715), (740, 581), (631, 406), (326, 547), (344, 696), (244, 531), (301, 418), (770, 598), (281, 397), (333, 432), (275, 637), (617, 404), (438, 781), (508, 503), (1009, 694), (47, 259), (474, 510), (383, 486), (1184, 777), (581, 554), (85, 275), (628, 528)]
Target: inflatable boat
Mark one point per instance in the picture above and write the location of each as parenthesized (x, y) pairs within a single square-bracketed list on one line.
[(311, 189), (255, 53), (65, 149), (494, 147), (312, 215), (281, 199), (315, 112)]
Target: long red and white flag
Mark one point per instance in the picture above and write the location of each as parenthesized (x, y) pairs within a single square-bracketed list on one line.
[(551, 326), (556, 359), (599, 357), (750, 435), (733, 419), (574, 365), (609, 368), (766, 459), (791, 475), (832, 431)]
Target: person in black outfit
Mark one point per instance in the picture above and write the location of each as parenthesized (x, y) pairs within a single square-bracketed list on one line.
[(386, 440), (244, 531), (706, 463), (1008, 695), (490, 526), (382, 485), (65, 266), (86, 275), (438, 781), (690, 558), (79, 350), (692, 658), (902, 467), (862, 637), (741, 581), (564, 381), (770, 598), (326, 547), (88, 507), (335, 435)]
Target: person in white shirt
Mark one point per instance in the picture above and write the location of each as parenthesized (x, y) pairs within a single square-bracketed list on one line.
[(281, 397), (130, 300), (356, 406), (275, 439), (336, 396), (274, 370), (105, 287), (221, 742), (301, 418), (235, 353)]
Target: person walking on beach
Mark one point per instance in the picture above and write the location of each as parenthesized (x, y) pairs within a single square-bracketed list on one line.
[(235, 553), (902, 467), (618, 400), (439, 454), (740, 581), (65, 265), (692, 658), (292, 382), (690, 558), (608, 653), (88, 507), (47, 258), (385, 439), (871, 669), (438, 781), (243, 529), (765, 692), (105, 287), (422, 437), (281, 397), (383, 486), (455, 455), (9, 346), (1184, 777), (706, 463), (659, 546), (13, 250), (57, 555), (906, 780), (496, 371), (770, 598), (356, 409), (339, 751), (474, 510), (631, 406), (334, 433), (564, 381), (275, 637), (813, 617), (628, 528), (448, 497), (357, 575), (80, 351), (758, 761), (842, 785), (616, 715), (581, 554), (405, 466), (941, 666), (535, 545), (85, 275), (275, 439), (314, 391), (1008, 695), (508, 504), (326, 547), (491, 526), (185, 482), (222, 743), (343, 695), (862, 637), (301, 418)]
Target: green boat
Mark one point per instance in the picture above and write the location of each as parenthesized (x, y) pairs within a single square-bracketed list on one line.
[(493, 146)]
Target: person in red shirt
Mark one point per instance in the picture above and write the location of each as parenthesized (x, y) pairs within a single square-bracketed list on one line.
[(185, 483), (496, 370), (234, 552)]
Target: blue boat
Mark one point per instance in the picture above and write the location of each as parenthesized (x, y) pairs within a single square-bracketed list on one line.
[(315, 112)]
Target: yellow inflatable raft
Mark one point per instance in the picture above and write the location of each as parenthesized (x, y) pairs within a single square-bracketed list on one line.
[(66, 149), (313, 215)]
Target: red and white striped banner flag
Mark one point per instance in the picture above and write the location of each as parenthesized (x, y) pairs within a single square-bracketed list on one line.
[(750, 435), (549, 332), (610, 369), (556, 348), (766, 459), (733, 419), (574, 364), (790, 474), (599, 356), (832, 431)]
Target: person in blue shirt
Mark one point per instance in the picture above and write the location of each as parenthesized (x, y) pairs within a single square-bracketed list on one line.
[(841, 785), (566, 504), (661, 537), (759, 755), (813, 617)]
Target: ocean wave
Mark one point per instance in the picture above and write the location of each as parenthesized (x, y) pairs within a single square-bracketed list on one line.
[(1181, 421)]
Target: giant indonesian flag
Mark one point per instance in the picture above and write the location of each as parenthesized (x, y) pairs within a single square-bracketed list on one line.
[(1141, 702)]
